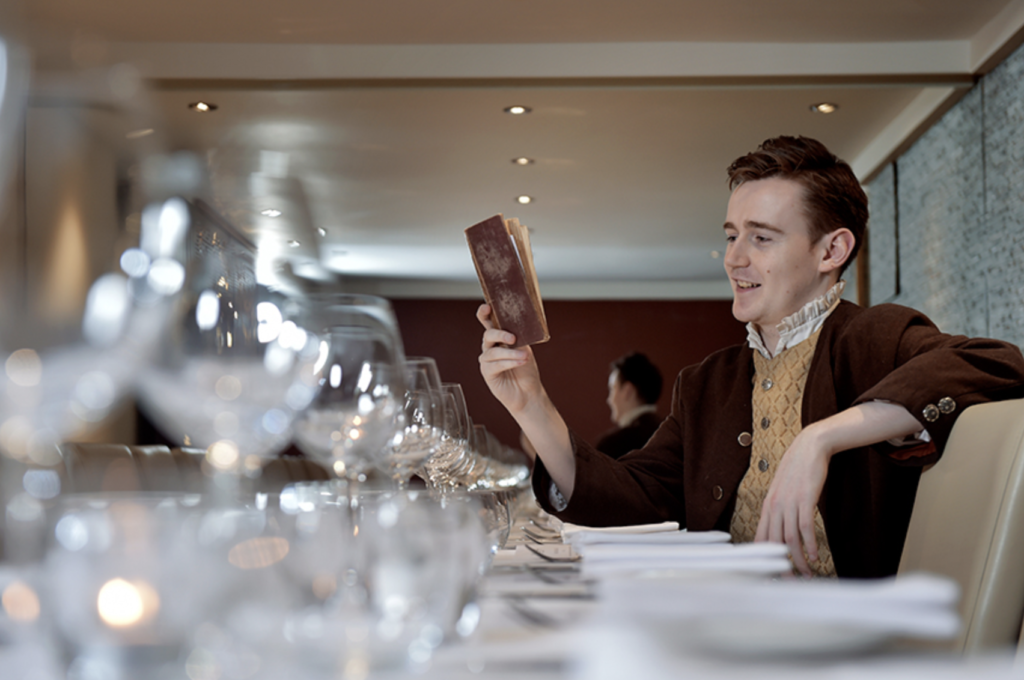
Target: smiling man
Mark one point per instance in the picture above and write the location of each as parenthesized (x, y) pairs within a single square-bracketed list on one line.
[(814, 432)]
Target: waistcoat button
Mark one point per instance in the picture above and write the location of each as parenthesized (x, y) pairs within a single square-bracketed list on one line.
[(767, 384), (765, 423), (762, 465)]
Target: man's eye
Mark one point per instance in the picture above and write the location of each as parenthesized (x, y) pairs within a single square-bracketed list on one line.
[(729, 238), (761, 239)]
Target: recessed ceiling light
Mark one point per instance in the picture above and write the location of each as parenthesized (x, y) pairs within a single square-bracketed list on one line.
[(270, 212), (321, 231), (522, 160), (524, 199), (517, 110), (824, 107), (294, 244), (202, 107), (715, 254), (136, 134)]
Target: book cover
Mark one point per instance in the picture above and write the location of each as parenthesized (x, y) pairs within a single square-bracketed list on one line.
[(504, 264)]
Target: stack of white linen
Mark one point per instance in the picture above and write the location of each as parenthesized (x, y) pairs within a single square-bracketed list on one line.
[(623, 550), (758, 612)]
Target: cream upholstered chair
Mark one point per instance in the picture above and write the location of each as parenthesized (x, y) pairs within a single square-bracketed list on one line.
[(968, 523)]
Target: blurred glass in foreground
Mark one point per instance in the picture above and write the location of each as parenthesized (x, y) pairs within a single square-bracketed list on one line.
[(84, 279), (234, 369)]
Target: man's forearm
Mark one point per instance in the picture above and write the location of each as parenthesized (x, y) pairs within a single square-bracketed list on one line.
[(864, 425), (543, 425)]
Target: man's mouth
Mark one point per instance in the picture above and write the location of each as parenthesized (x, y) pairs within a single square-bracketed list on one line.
[(745, 285)]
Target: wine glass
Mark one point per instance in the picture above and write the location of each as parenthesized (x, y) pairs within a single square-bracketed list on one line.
[(79, 304), (420, 561), (128, 580), (494, 465), (324, 310), (423, 425), (83, 295), (429, 367), (445, 468), (232, 372), (358, 410)]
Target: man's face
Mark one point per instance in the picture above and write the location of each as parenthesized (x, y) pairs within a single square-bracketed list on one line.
[(773, 267), (618, 396)]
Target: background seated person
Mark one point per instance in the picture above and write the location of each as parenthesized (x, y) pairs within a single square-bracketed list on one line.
[(788, 437), (634, 386)]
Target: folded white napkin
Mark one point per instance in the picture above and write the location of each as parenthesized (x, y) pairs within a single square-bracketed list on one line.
[(684, 537), (569, 529), (914, 605), (603, 560)]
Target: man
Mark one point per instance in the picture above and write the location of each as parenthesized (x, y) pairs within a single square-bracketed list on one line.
[(634, 386), (806, 416)]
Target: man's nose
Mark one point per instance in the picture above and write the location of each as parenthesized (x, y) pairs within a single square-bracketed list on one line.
[(735, 256)]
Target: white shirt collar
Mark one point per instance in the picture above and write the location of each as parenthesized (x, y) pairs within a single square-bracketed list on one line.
[(797, 327), (631, 415)]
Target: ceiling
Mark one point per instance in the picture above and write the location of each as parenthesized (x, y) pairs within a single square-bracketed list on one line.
[(408, 22), (387, 118)]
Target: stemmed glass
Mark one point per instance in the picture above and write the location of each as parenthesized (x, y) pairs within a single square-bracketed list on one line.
[(445, 469), (423, 424), (74, 326), (233, 371), (128, 580), (358, 410), (83, 279)]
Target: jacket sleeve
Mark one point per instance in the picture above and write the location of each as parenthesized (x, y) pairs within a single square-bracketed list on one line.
[(936, 376), (643, 486)]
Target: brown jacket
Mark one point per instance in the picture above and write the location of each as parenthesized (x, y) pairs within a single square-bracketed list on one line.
[(621, 440), (692, 466)]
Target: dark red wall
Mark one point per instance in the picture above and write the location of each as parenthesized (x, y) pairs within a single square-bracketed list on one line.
[(585, 337)]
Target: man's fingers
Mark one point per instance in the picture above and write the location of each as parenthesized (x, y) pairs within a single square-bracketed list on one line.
[(494, 368), (775, 533), (497, 359), (494, 337), (762, 529), (796, 548), (483, 315), (782, 525), (807, 533)]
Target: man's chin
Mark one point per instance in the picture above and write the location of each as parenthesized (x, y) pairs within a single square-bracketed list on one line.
[(742, 315)]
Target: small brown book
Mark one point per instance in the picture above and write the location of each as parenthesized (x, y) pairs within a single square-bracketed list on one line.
[(504, 262)]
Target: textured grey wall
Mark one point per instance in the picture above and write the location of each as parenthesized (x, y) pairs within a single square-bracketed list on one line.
[(882, 245), (955, 200)]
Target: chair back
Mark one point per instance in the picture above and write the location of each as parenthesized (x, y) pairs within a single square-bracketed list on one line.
[(968, 523)]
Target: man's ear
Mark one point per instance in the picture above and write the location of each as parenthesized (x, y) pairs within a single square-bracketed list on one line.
[(838, 247)]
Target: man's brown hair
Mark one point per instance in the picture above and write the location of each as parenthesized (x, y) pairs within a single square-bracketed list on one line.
[(832, 194)]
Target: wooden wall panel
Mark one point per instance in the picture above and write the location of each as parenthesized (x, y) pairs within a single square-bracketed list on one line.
[(586, 336)]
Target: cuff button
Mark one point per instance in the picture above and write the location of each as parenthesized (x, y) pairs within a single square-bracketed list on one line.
[(947, 405), (930, 413)]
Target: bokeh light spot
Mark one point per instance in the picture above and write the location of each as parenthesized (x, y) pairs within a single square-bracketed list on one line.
[(24, 368), (259, 552), (20, 602)]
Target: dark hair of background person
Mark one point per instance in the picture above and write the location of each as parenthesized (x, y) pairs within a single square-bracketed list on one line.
[(832, 193), (637, 369)]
